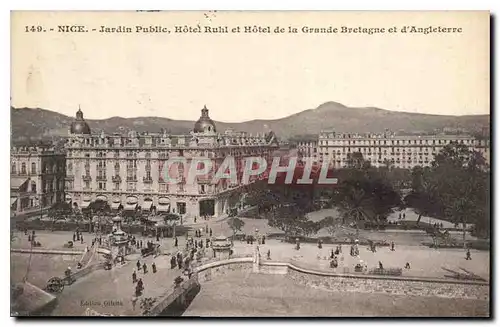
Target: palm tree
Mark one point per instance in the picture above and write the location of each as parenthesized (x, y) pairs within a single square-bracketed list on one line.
[(354, 204)]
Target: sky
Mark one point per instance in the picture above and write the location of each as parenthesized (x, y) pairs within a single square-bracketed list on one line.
[(245, 76)]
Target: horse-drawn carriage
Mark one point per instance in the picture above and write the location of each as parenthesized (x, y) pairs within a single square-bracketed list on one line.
[(153, 249), (56, 284)]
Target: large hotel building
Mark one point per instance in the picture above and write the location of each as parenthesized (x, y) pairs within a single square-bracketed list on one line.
[(127, 170), (399, 151)]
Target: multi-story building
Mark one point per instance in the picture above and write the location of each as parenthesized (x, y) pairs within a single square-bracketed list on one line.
[(127, 171), (401, 151), (308, 149), (36, 178)]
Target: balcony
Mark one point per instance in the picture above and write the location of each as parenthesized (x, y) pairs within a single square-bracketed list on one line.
[(101, 178), (116, 179), (147, 180), (131, 178), (69, 177), (87, 178)]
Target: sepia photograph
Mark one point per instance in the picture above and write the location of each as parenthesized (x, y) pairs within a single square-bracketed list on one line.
[(250, 164)]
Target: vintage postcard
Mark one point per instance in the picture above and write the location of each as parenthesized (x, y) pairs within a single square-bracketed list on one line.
[(250, 164)]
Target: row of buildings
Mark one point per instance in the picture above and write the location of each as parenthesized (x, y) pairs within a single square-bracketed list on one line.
[(127, 170), (399, 151)]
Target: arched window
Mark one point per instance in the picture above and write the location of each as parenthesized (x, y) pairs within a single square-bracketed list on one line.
[(33, 186), (23, 168), (13, 168), (33, 168)]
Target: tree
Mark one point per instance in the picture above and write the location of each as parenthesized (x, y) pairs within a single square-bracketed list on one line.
[(461, 187), (60, 210), (423, 197), (292, 221), (236, 224)]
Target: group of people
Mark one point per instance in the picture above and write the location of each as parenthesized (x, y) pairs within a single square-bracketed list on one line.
[(144, 268), (32, 237), (77, 236), (139, 287)]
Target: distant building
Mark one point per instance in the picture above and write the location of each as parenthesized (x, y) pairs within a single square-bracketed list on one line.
[(36, 178), (127, 171), (400, 151), (307, 149)]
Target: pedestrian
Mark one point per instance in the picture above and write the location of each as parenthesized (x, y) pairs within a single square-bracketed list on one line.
[(173, 262), (407, 266), (210, 232), (207, 242), (380, 266), (269, 254), (74, 237), (467, 255), (157, 237), (134, 277), (139, 287), (263, 239), (206, 228), (81, 240), (404, 216), (145, 268), (176, 242), (332, 254), (400, 216), (29, 237), (320, 245), (392, 246), (154, 268), (134, 302), (138, 265)]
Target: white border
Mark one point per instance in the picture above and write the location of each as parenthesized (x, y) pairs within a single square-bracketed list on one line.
[(491, 5)]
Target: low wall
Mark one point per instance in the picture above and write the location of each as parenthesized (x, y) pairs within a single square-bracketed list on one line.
[(390, 285), (220, 268), (87, 270), (352, 282), (177, 299), (47, 251)]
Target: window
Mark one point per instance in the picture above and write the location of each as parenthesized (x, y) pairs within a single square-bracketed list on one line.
[(181, 208), (33, 187), (13, 168), (102, 186), (33, 168), (23, 168)]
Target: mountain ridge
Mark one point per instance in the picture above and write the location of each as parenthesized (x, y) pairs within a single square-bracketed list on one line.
[(40, 123)]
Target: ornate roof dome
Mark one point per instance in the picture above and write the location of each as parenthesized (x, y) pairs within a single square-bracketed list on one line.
[(204, 124), (79, 126)]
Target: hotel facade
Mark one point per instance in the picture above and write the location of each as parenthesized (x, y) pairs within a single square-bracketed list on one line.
[(128, 171), (400, 151)]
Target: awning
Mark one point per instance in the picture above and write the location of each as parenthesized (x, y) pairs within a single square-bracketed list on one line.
[(163, 208), (115, 205), (85, 204), (12, 201), (146, 206), (17, 182), (130, 206)]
